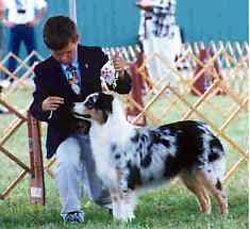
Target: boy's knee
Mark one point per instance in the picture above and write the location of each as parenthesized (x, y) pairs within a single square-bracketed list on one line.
[(68, 153)]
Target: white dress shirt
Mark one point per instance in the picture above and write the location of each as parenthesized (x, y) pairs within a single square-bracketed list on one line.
[(27, 8)]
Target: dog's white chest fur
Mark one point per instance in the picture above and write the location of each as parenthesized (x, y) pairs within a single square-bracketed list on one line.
[(103, 138)]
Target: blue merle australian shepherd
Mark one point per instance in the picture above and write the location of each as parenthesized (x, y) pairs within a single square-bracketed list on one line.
[(129, 158)]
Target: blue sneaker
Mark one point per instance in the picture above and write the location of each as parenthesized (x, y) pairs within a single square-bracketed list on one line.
[(73, 217)]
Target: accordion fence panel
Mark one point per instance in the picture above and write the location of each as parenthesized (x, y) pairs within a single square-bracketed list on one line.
[(222, 103)]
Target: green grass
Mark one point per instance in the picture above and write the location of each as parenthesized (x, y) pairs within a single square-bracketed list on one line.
[(166, 208), (171, 207)]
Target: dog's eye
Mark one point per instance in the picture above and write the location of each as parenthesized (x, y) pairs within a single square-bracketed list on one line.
[(90, 103)]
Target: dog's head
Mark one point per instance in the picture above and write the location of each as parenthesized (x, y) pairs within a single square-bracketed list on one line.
[(96, 107)]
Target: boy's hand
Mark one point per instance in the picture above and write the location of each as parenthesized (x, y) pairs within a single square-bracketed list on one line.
[(52, 103), (145, 4), (119, 64)]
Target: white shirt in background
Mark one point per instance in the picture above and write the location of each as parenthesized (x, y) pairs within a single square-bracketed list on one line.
[(29, 7)]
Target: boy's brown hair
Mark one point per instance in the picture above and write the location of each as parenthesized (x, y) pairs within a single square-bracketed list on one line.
[(58, 32)]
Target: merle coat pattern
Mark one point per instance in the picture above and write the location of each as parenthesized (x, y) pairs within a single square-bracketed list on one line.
[(128, 158)]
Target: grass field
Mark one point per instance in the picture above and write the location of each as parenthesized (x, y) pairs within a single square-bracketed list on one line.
[(172, 207)]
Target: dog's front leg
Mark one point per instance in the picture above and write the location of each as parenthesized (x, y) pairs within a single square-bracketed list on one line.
[(123, 204), (128, 204), (123, 199), (116, 203), (128, 197)]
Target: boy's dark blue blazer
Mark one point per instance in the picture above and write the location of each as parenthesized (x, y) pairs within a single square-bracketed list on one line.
[(51, 81)]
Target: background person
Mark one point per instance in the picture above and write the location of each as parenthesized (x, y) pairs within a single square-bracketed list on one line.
[(2, 109), (160, 37), (1, 27), (70, 74), (21, 18)]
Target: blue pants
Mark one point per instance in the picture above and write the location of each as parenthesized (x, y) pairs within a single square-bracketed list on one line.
[(18, 34)]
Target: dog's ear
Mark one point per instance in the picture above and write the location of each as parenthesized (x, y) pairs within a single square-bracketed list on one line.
[(90, 101), (104, 102), (99, 101)]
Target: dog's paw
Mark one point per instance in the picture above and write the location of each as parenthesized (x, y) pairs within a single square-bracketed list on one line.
[(116, 214), (123, 215), (127, 213), (127, 218), (131, 217)]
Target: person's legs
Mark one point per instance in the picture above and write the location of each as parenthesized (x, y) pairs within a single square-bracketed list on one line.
[(152, 53), (169, 48), (98, 193), (68, 176), (1, 49), (16, 35), (30, 42), (75, 165), (3, 110)]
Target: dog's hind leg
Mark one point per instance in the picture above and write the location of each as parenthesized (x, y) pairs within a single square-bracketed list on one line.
[(214, 185), (196, 186)]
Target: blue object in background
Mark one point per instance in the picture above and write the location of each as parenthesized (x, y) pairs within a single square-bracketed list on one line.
[(115, 22), (225, 20)]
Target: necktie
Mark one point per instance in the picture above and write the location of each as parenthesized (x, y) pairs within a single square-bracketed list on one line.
[(74, 79)]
